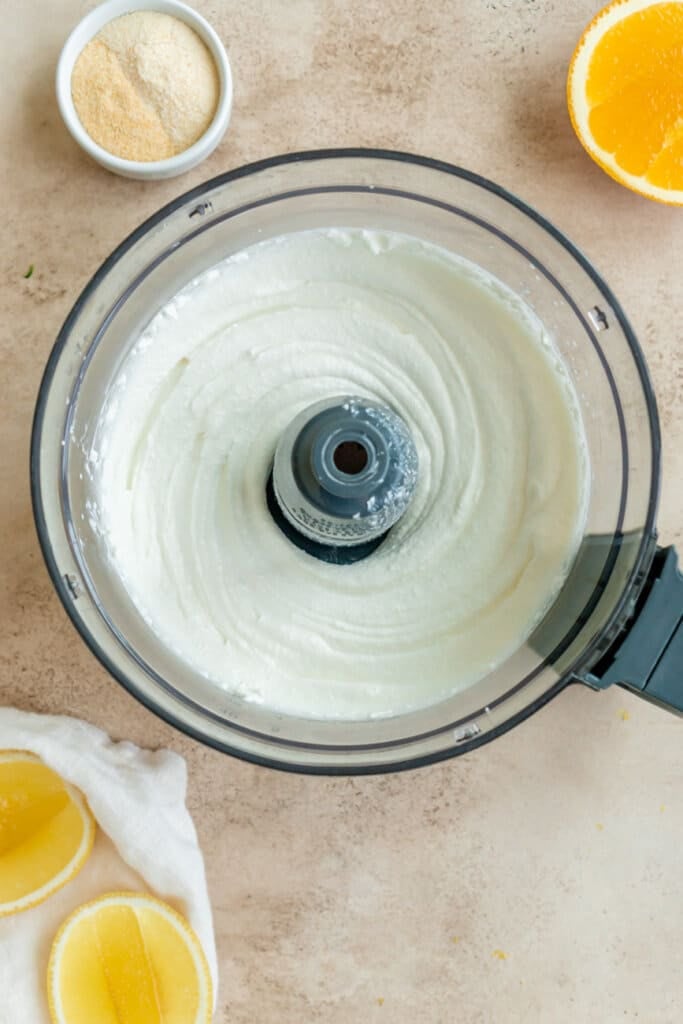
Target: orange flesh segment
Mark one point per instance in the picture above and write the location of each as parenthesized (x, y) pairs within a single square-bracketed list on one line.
[(635, 91)]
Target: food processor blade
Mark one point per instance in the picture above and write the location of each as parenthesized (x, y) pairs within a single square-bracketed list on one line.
[(344, 473)]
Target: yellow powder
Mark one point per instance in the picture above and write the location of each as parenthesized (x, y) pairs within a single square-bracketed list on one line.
[(146, 87), (112, 112)]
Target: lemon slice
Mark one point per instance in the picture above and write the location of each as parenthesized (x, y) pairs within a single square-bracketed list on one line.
[(625, 95), (128, 958), (46, 831)]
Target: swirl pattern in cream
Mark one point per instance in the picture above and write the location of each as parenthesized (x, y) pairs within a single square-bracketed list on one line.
[(187, 436)]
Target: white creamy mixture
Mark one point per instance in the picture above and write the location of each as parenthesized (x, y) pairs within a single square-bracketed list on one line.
[(187, 437)]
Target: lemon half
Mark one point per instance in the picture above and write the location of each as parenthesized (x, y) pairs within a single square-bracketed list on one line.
[(128, 958), (46, 831)]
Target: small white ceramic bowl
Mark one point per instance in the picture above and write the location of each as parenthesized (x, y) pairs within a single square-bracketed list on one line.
[(84, 32)]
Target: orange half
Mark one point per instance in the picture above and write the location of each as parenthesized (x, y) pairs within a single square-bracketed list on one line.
[(625, 95)]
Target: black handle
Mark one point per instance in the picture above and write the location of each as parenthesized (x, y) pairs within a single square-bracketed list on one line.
[(649, 658)]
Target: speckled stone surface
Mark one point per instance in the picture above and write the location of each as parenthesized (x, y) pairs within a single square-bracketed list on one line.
[(539, 879)]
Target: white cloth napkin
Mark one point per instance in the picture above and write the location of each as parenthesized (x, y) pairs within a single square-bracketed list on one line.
[(146, 842)]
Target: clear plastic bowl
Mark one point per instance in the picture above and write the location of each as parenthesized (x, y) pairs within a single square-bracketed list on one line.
[(452, 208)]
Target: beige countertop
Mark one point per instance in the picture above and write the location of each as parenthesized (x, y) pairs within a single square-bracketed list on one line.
[(561, 844)]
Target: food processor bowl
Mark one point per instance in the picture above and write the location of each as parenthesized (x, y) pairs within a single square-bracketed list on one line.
[(618, 615)]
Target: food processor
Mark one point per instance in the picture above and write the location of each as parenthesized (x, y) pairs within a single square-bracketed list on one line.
[(617, 618)]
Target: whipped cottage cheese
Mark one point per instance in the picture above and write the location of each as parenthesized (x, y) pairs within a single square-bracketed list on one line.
[(186, 441)]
